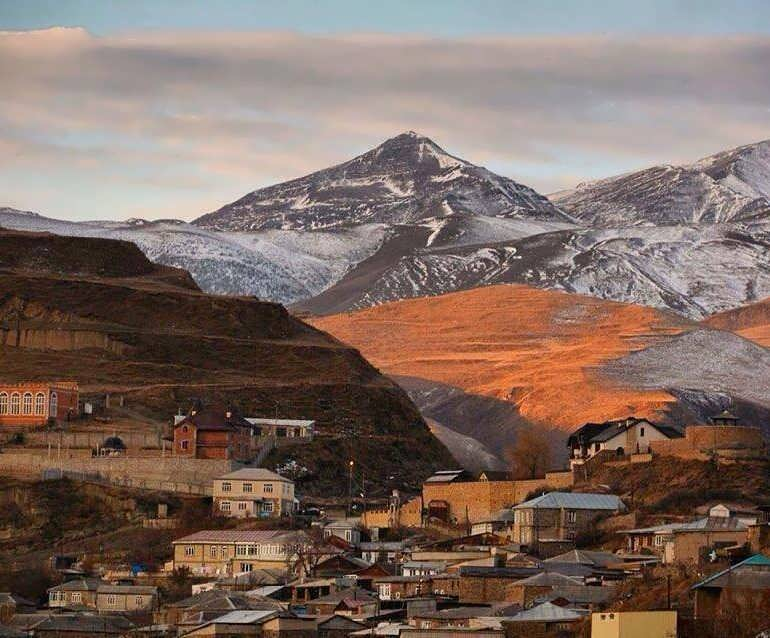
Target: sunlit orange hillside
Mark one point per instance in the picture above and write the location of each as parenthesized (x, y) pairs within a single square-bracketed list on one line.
[(752, 321), (535, 347)]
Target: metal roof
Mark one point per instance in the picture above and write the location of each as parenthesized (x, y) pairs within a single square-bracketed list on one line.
[(574, 501), (548, 612), (245, 616), (752, 573), (234, 536), (300, 423), (254, 474), (549, 579)]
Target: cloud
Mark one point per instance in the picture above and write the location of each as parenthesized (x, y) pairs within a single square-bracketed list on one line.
[(224, 113)]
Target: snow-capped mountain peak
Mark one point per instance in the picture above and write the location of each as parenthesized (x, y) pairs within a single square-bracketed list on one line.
[(403, 180)]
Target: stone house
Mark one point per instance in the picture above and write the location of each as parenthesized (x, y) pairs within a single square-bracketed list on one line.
[(746, 584), (524, 592), (560, 516), (489, 584), (403, 587), (354, 601), (126, 598), (76, 593), (338, 627), (34, 404), (225, 552), (688, 542), (253, 493), (622, 436), (546, 620), (213, 433)]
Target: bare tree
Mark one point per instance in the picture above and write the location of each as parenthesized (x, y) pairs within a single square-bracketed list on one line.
[(305, 550), (530, 456)]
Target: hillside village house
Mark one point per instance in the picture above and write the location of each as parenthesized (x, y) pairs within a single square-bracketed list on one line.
[(35, 404), (227, 552), (691, 542), (560, 516), (253, 493), (93, 593), (746, 584), (348, 529), (213, 433), (622, 437), (294, 429)]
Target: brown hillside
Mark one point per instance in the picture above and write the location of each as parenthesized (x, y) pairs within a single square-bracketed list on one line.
[(536, 348), (117, 323), (751, 321)]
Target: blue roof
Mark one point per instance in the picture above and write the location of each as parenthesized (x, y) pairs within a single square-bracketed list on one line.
[(756, 559), (573, 501)]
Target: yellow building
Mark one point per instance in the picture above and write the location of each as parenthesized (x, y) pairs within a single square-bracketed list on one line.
[(634, 624), (253, 492)]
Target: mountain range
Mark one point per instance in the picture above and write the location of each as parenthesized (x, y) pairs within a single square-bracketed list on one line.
[(408, 219)]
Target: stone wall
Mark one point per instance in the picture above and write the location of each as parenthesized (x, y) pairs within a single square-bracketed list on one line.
[(171, 474), (93, 438), (476, 501), (700, 439)]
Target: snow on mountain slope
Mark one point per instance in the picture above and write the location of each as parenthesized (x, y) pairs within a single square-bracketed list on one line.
[(279, 266), (404, 180), (693, 270), (728, 186)]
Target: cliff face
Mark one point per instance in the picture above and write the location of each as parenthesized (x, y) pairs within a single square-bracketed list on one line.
[(115, 322)]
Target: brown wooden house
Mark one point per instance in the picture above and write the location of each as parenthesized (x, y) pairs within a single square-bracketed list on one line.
[(213, 433)]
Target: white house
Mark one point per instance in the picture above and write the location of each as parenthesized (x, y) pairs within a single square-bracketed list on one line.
[(622, 437)]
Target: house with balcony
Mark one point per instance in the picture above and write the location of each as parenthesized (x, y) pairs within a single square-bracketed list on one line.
[(253, 492)]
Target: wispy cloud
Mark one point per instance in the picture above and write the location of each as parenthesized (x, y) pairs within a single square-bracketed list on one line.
[(179, 123)]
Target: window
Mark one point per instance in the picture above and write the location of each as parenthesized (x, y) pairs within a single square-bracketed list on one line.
[(268, 489), (185, 445), (572, 516), (189, 550), (213, 551), (227, 487), (15, 403), (641, 431), (597, 447), (77, 597), (224, 506), (658, 540), (3, 403), (26, 403), (139, 601), (347, 534), (267, 507), (247, 487), (53, 411), (112, 600), (185, 428), (241, 506), (40, 404), (246, 567)]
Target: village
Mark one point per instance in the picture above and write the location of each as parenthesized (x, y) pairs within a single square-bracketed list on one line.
[(479, 554)]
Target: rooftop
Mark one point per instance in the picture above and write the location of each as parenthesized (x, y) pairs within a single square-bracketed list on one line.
[(255, 474), (549, 612), (752, 573), (297, 423), (574, 501), (234, 536)]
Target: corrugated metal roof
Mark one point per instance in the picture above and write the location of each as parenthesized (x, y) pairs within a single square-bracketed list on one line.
[(255, 474), (301, 423), (548, 612), (573, 501), (234, 536), (245, 617)]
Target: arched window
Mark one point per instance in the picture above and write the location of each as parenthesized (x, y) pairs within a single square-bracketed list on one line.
[(15, 403), (54, 409), (39, 403), (26, 403), (3, 403)]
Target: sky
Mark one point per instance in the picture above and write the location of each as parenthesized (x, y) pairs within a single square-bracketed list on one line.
[(112, 110)]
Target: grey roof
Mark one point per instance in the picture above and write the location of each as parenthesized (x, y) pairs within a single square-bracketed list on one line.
[(548, 612), (301, 423), (584, 594), (235, 536), (752, 573), (499, 572), (445, 476), (585, 557), (705, 524), (425, 564), (548, 579), (574, 501), (353, 593), (384, 546), (80, 584), (345, 523), (245, 617), (84, 623), (255, 474)]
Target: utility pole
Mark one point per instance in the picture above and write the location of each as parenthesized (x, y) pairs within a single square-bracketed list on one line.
[(668, 591), (350, 487)]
